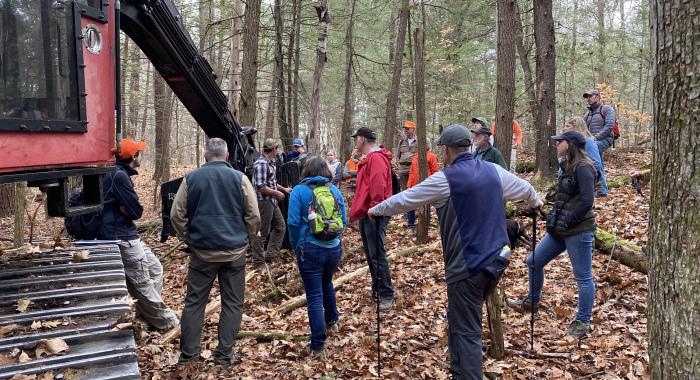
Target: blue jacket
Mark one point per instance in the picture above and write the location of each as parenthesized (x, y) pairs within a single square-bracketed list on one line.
[(600, 127), (121, 205), (477, 198), (297, 223), (215, 208), (592, 152)]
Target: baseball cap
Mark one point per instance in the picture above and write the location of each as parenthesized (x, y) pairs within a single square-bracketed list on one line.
[(591, 92), (409, 124), (298, 142), (128, 148), (270, 144), (454, 135), (574, 137), (482, 130), (366, 133), (480, 120)]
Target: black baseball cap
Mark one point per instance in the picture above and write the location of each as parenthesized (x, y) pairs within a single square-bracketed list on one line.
[(574, 137), (366, 133), (591, 92), (482, 130)]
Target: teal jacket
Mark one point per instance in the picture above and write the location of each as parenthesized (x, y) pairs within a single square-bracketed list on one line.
[(491, 154)]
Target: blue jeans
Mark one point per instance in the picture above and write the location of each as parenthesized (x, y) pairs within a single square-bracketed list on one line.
[(580, 249), (373, 232), (412, 217), (316, 268), (603, 145)]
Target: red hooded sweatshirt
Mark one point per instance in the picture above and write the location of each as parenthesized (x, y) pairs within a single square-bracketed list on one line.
[(373, 182)]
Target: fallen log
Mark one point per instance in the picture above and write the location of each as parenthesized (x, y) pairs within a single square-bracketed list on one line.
[(264, 336), (540, 355), (212, 307), (148, 224), (300, 301), (626, 252), (644, 175)]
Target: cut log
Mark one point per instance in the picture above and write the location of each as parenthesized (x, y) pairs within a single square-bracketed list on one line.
[(493, 308), (212, 307), (265, 336), (540, 355), (300, 301), (625, 252), (644, 176)]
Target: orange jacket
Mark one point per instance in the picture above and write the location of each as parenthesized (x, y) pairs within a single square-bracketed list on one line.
[(413, 177), (517, 133), (352, 166)]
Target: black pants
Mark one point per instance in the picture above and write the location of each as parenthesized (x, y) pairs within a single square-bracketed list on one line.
[(465, 301), (373, 232), (200, 278)]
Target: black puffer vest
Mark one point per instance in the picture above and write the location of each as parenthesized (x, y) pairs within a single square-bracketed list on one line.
[(559, 223)]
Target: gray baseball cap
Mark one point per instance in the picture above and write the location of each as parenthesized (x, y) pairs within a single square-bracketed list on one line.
[(591, 92), (455, 135)]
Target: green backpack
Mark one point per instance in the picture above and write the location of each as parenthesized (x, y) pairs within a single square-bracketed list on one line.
[(325, 221)]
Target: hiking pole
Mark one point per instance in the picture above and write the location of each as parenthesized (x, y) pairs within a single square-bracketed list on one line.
[(532, 268), (378, 300)]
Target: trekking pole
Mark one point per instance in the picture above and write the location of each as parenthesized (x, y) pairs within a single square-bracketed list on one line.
[(378, 299), (532, 268)]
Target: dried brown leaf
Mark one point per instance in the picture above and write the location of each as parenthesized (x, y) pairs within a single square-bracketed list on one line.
[(81, 255), (23, 304), (51, 347)]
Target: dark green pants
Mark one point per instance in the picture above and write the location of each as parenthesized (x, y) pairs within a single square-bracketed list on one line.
[(200, 278)]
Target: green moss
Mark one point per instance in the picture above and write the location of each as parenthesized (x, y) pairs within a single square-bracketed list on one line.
[(524, 166)]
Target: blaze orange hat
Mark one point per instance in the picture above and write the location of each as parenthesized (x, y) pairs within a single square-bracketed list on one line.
[(128, 148), (409, 124)]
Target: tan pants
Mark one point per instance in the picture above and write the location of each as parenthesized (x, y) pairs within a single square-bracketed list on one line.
[(144, 280)]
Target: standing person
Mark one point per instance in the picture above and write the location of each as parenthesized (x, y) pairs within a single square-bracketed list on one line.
[(317, 256), (517, 138), (414, 177), (408, 146), (578, 124), (484, 150), (600, 120), (334, 166), (273, 226), (350, 172), (570, 228), (143, 270), (216, 212), (469, 196), (373, 186), (298, 152)]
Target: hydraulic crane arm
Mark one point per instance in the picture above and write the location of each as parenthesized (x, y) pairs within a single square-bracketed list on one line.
[(157, 28)]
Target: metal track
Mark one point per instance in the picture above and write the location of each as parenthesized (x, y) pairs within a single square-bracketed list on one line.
[(86, 299)]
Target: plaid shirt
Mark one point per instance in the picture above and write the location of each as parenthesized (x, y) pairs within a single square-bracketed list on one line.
[(264, 175)]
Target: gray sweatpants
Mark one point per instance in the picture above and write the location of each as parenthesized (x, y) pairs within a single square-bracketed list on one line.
[(144, 280)]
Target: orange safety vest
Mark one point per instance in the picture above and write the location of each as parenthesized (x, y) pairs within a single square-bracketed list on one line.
[(352, 166)]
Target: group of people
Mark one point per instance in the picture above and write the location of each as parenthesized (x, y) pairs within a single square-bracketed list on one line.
[(222, 215)]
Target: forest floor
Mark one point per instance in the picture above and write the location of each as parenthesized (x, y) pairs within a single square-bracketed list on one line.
[(414, 333)]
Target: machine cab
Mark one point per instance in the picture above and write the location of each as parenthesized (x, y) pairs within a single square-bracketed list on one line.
[(57, 96)]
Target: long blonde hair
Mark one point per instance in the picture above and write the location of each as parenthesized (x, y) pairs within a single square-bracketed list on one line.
[(578, 124)]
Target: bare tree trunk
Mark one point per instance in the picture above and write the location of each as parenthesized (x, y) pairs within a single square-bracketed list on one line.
[(283, 123), (546, 121), (126, 64), (146, 89), (270, 110), (7, 199), (324, 19), (674, 222), (505, 77), (524, 58), (348, 108), (236, 68), (162, 104), (291, 87), (569, 83), (134, 89), (297, 50), (421, 129), (600, 66), (20, 206), (392, 101), (249, 83)]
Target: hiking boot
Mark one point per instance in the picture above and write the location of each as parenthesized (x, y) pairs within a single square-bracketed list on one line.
[(318, 354), (333, 327), (578, 328), (601, 195), (386, 304), (524, 305)]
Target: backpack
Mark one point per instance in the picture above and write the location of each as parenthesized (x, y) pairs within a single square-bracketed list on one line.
[(84, 226), (325, 220), (395, 183)]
